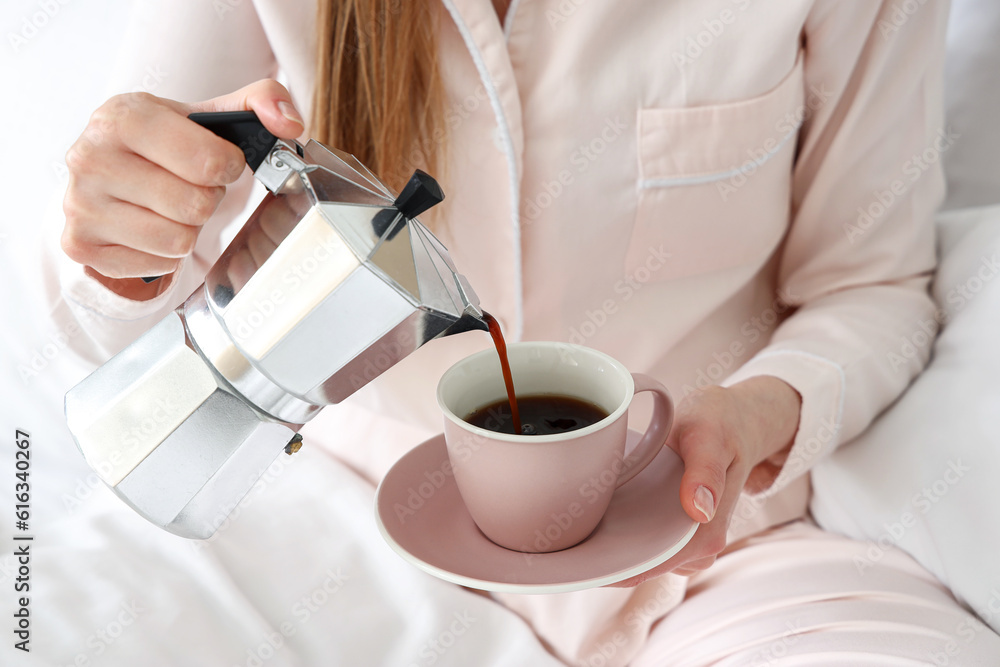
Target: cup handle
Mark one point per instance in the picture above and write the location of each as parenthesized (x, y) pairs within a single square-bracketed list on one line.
[(655, 436)]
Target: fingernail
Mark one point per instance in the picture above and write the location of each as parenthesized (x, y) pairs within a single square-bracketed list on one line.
[(289, 112), (705, 502)]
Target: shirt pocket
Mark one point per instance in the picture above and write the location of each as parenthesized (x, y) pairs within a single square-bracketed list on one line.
[(715, 183)]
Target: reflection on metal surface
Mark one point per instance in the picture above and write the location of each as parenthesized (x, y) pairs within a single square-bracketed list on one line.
[(328, 284)]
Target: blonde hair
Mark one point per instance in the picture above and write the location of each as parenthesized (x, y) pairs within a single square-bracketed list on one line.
[(378, 91)]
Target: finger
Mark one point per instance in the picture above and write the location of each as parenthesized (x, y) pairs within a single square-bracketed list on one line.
[(632, 582), (695, 566), (268, 99), (132, 226), (133, 179), (702, 550), (704, 547), (260, 246), (706, 462), (676, 565), (697, 555), (118, 262), (278, 219), (240, 269), (160, 131)]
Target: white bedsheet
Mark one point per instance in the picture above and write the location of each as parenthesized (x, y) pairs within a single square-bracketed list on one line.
[(298, 575), (109, 589), (924, 476)]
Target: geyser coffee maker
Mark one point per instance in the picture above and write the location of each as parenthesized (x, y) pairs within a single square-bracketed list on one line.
[(331, 281)]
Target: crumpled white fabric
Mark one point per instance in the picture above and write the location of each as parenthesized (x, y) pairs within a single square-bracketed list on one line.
[(924, 476), (297, 576)]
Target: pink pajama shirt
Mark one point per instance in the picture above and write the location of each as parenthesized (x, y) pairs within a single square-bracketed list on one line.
[(707, 190)]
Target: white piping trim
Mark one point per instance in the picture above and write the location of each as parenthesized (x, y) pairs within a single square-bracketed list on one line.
[(815, 357), (508, 149), (784, 478), (679, 181), (508, 20)]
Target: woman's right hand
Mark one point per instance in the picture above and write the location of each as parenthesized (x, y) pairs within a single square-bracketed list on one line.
[(143, 180)]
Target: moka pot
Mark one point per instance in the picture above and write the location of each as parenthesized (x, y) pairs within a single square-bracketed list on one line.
[(331, 281)]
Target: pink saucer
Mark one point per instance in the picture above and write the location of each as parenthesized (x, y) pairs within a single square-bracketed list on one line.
[(421, 515)]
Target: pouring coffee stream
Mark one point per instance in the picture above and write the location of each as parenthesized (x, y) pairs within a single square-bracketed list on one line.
[(508, 379), (182, 422), (534, 414)]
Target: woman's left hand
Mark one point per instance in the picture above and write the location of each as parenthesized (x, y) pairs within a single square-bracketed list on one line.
[(722, 434)]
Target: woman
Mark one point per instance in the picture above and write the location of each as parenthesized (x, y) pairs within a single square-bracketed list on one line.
[(723, 195)]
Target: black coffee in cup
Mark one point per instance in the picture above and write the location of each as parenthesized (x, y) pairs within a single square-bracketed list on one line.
[(544, 414)]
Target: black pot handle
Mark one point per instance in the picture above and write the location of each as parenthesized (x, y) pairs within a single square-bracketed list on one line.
[(242, 128)]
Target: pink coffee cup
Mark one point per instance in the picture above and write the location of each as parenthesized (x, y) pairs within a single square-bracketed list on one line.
[(540, 493)]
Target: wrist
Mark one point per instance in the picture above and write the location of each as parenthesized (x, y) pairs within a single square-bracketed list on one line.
[(771, 408)]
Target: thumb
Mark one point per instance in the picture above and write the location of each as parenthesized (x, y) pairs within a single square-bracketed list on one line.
[(268, 99), (705, 466)]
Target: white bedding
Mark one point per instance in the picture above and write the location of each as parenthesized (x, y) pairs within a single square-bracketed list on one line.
[(300, 565), (99, 569), (110, 589), (924, 477)]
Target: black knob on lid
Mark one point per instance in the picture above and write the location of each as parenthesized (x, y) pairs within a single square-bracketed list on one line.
[(420, 193)]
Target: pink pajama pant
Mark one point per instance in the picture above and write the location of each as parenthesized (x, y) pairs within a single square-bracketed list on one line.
[(797, 595)]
